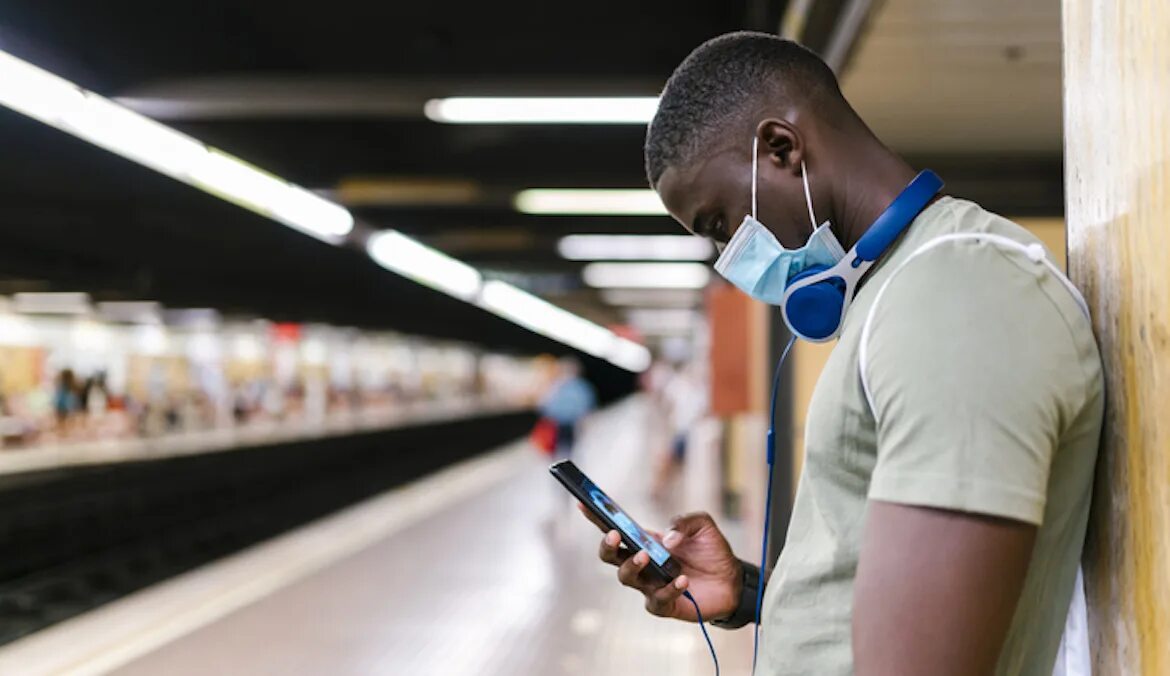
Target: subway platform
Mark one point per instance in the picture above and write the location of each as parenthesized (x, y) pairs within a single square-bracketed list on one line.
[(481, 568)]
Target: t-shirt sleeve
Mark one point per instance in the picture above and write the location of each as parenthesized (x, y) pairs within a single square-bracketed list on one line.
[(969, 367)]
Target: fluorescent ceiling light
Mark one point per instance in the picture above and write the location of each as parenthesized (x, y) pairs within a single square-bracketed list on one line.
[(635, 248), (653, 297), (545, 318), (630, 355), (589, 201), (646, 275), (93, 118), (257, 190), (410, 258), (543, 110), (68, 303), (663, 321), (553, 322)]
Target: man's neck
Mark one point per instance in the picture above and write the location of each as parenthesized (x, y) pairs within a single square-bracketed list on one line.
[(872, 178)]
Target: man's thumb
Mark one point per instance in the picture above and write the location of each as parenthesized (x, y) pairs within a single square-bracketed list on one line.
[(684, 527)]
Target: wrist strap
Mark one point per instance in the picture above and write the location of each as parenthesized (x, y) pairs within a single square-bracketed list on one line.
[(745, 612)]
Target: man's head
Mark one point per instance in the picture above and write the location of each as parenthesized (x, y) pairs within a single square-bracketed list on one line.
[(732, 89)]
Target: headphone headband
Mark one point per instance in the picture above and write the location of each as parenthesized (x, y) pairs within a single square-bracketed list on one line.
[(898, 216), (815, 301)]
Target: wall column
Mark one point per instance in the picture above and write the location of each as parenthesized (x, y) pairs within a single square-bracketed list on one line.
[(1117, 150)]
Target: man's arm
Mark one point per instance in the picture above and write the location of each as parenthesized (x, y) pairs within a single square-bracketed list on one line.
[(936, 590)]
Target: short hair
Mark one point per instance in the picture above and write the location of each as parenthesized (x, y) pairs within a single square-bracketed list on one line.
[(720, 81)]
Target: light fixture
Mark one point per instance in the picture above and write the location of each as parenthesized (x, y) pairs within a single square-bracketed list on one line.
[(545, 318), (561, 325), (589, 201), (543, 110), (668, 321), (59, 103), (237, 181), (646, 275), (415, 260), (635, 248), (66, 303), (653, 297), (630, 355)]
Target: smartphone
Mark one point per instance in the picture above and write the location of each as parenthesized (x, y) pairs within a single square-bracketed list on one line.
[(608, 511)]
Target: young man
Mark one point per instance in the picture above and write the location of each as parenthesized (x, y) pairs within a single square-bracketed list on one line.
[(952, 436)]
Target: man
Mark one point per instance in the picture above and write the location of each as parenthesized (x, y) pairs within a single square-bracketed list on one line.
[(952, 436)]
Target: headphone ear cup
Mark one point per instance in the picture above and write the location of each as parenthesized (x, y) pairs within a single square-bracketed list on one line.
[(813, 312)]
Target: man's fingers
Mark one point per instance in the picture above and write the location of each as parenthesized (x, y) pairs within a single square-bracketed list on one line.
[(592, 517), (630, 572), (661, 602), (611, 551)]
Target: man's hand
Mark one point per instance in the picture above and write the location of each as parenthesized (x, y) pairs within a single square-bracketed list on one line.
[(709, 568)]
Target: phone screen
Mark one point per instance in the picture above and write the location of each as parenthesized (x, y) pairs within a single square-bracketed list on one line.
[(625, 524)]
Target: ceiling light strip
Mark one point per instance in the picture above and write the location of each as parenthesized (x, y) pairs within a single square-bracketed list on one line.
[(59, 103), (543, 110)]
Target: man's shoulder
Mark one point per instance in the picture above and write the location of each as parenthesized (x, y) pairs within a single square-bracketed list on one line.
[(975, 273), (952, 217)]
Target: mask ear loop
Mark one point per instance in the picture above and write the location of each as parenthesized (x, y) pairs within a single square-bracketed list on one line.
[(807, 196), (755, 171)]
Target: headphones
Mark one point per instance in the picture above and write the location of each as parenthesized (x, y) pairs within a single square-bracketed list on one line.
[(814, 304)]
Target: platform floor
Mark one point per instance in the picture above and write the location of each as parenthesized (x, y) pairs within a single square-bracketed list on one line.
[(485, 570)]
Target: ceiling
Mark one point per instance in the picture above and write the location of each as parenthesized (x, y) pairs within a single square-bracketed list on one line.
[(960, 78), (331, 97)]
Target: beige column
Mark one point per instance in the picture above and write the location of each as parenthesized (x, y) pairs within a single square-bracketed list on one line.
[(1117, 145)]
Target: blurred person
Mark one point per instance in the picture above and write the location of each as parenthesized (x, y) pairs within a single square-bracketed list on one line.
[(95, 395), (568, 400), (66, 399), (685, 400), (951, 440), (93, 402)]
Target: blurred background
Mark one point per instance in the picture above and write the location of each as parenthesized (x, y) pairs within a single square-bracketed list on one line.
[(285, 287)]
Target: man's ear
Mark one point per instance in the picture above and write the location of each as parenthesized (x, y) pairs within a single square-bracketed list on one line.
[(782, 144)]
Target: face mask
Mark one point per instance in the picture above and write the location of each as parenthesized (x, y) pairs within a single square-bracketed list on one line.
[(756, 262)]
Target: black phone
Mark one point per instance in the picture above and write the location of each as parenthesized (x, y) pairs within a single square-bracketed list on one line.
[(608, 511)]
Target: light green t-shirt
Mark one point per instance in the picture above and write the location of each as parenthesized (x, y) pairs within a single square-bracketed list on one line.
[(984, 395)]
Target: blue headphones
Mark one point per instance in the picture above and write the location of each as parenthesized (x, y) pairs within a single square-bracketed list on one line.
[(815, 300)]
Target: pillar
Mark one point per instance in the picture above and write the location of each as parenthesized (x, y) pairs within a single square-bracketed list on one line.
[(1117, 150)]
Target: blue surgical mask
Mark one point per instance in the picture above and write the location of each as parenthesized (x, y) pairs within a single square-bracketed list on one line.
[(756, 262)]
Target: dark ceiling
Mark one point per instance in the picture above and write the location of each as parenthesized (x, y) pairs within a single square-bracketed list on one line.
[(321, 93)]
